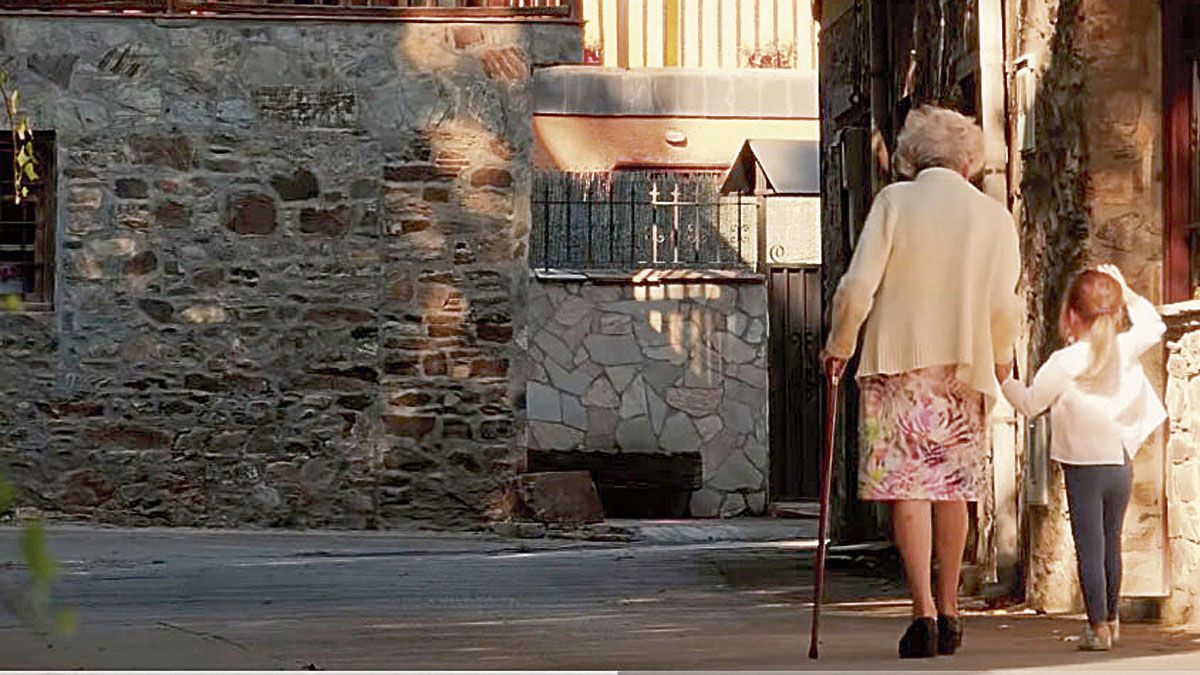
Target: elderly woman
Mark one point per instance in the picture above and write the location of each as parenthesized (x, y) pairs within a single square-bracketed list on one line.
[(934, 279)]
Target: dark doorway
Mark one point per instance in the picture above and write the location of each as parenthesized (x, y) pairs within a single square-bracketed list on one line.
[(795, 381)]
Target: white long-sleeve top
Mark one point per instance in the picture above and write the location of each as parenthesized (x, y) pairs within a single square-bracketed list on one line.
[(1111, 422)]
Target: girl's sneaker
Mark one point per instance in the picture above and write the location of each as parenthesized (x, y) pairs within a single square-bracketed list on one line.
[(1095, 641), (1114, 630)]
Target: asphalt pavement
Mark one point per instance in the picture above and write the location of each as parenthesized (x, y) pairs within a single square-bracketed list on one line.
[(220, 600)]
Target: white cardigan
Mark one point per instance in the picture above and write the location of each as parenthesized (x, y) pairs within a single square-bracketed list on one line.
[(1104, 426), (934, 278)]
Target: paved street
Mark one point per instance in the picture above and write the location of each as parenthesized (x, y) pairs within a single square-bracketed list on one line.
[(280, 600)]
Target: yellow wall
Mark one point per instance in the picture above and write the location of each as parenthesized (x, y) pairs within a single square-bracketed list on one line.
[(698, 33)]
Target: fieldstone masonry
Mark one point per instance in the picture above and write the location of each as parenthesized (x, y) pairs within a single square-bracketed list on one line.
[(290, 264), (663, 368), (1183, 461)]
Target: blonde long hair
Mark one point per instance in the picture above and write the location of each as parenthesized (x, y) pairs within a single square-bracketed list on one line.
[(1096, 300)]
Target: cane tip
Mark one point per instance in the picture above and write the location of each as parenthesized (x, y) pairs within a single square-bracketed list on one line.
[(812, 652)]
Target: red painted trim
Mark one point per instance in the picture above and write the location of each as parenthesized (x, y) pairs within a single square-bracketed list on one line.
[(1177, 153)]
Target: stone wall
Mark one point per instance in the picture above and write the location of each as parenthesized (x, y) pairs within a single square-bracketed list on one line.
[(1088, 191), (655, 368), (1183, 462), (290, 258)]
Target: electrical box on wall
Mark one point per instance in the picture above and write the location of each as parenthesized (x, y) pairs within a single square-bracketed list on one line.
[(1025, 80), (1037, 466)]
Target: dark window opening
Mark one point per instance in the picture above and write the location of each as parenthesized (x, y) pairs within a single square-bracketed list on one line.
[(26, 228), (631, 484)]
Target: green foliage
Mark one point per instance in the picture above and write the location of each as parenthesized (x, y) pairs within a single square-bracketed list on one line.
[(24, 165), (42, 566), (7, 496), (24, 160), (31, 602)]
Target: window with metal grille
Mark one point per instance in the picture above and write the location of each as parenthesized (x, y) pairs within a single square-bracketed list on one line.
[(26, 228), (634, 219)]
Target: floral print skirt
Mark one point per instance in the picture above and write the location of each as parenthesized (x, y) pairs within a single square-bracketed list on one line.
[(922, 437)]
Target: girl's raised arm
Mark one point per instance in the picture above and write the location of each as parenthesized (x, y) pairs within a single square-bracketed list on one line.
[(1147, 327)]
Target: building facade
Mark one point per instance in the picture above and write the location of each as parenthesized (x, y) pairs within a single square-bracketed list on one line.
[(358, 266), (287, 261)]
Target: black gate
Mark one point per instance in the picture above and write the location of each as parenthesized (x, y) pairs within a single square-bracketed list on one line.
[(795, 380)]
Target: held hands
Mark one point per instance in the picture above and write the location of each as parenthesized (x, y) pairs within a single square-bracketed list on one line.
[(1004, 371), (833, 366)]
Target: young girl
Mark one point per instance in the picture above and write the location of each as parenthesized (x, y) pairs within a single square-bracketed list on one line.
[(1102, 409)]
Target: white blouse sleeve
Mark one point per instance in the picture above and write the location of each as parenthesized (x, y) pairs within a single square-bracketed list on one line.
[(1049, 383)]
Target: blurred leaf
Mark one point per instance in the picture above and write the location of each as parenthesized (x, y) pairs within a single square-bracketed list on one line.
[(66, 621), (42, 568), (7, 494), (11, 302), (30, 173), (14, 99), (30, 602)]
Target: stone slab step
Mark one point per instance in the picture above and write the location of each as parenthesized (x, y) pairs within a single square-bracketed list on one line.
[(795, 509), (699, 531)]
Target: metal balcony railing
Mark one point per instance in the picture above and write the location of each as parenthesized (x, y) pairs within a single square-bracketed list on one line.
[(638, 220)]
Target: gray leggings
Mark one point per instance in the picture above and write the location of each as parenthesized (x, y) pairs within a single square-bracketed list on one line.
[(1097, 497)]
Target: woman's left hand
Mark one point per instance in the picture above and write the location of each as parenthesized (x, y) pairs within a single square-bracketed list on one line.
[(833, 366), (1004, 371)]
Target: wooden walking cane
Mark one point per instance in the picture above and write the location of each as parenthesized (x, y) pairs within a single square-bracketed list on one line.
[(831, 406)]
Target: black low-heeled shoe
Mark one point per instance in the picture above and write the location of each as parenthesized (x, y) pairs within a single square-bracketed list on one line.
[(920, 641), (949, 634)]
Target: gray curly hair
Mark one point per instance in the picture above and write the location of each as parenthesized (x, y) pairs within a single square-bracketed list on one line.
[(939, 137)]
